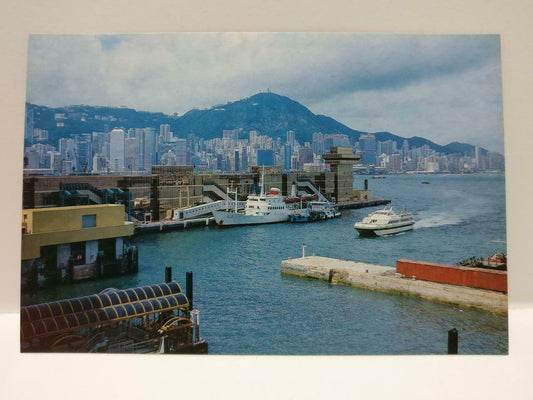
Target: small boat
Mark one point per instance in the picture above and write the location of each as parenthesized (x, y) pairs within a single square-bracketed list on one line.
[(385, 222), (425, 183), (315, 211), (300, 215), (496, 261)]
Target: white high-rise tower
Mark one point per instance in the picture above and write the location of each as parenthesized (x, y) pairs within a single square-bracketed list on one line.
[(116, 150)]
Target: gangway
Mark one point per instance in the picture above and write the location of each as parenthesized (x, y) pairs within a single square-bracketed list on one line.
[(307, 186), (214, 191), (203, 209)]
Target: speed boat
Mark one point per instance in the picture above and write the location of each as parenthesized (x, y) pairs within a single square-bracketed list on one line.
[(385, 222)]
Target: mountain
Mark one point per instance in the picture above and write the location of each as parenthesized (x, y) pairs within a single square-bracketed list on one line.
[(415, 141), (268, 113)]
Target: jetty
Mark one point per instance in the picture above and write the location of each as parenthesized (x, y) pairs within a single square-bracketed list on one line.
[(168, 225), (373, 202), (489, 295)]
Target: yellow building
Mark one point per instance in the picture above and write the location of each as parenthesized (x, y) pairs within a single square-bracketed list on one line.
[(74, 243)]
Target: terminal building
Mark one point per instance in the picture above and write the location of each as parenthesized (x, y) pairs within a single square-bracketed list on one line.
[(153, 197), (67, 244)]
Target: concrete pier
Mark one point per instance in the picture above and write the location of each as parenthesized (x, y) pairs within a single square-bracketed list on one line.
[(385, 279), (374, 202)]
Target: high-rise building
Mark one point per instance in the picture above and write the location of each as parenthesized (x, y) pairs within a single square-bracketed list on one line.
[(395, 163), (495, 161), (181, 151), (405, 148), (335, 141), (100, 163), (31, 158), (318, 143), (367, 148), (287, 154), (305, 156), (253, 138), (265, 157), (129, 154), (67, 167), (84, 158), (116, 150), (165, 133), (387, 147), (291, 138), (67, 149), (236, 162), (28, 127), (244, 158), (150, 148)]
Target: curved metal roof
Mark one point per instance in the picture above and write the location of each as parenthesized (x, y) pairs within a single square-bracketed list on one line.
[(108, 306)]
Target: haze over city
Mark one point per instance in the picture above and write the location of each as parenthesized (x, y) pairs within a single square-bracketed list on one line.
[(443, 88)]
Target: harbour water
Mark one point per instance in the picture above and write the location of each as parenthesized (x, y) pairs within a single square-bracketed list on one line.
[(248, 307)]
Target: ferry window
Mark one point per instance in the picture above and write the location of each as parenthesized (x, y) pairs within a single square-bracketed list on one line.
[(88, 221)]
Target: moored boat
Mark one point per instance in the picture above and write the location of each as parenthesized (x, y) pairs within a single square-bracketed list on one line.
[(259, 209), (314, 211), (385, 222)]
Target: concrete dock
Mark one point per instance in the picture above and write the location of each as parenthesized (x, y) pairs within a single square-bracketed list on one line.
[(385, 279), (374, 202)]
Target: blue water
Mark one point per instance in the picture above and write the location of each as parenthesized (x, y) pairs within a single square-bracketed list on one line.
[(248, 307)]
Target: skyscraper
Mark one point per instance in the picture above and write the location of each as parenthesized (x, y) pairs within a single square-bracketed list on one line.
[(116, 150), (28, 127), (181, 151), (129, 154), (164, 132), (265, 157), (287, 154), (318, 143), (291, 138), (336, 141), (367, 148), (305, 156), (84, 158)]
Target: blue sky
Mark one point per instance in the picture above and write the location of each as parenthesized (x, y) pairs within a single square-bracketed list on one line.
[(444, 88)]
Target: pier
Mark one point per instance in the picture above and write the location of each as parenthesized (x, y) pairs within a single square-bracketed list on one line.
[(386, 279), (168, 225), (362, 203)]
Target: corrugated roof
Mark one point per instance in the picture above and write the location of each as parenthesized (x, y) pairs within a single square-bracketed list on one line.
[(108, 306)]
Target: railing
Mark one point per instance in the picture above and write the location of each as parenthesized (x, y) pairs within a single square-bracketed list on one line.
[(307, 183)]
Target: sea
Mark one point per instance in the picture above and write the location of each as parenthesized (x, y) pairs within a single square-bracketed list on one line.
[(247, 307)]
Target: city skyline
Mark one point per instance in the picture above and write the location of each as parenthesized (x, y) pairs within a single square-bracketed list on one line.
[(444, 88)]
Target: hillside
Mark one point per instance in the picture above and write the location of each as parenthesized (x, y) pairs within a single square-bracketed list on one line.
[(268, 113)]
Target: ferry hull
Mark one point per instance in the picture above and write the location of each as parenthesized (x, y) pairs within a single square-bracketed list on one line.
[(369, 231), (228, 218)]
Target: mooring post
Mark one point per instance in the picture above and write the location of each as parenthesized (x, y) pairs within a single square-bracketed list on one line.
[(303, 250), (188, 288), (168, 274), (452, 341)]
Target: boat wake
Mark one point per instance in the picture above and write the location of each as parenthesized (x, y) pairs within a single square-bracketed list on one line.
[(426, 220)]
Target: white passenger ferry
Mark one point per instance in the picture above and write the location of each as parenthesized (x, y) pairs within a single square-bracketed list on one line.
[(385, 222), (259, 209)]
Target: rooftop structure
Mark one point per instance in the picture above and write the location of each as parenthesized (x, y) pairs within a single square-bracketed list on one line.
[(341, 161)]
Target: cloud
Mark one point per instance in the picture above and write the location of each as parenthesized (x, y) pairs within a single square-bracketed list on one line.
[(373, 80)]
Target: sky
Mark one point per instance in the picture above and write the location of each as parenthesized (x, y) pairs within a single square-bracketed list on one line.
[(444, 88)]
